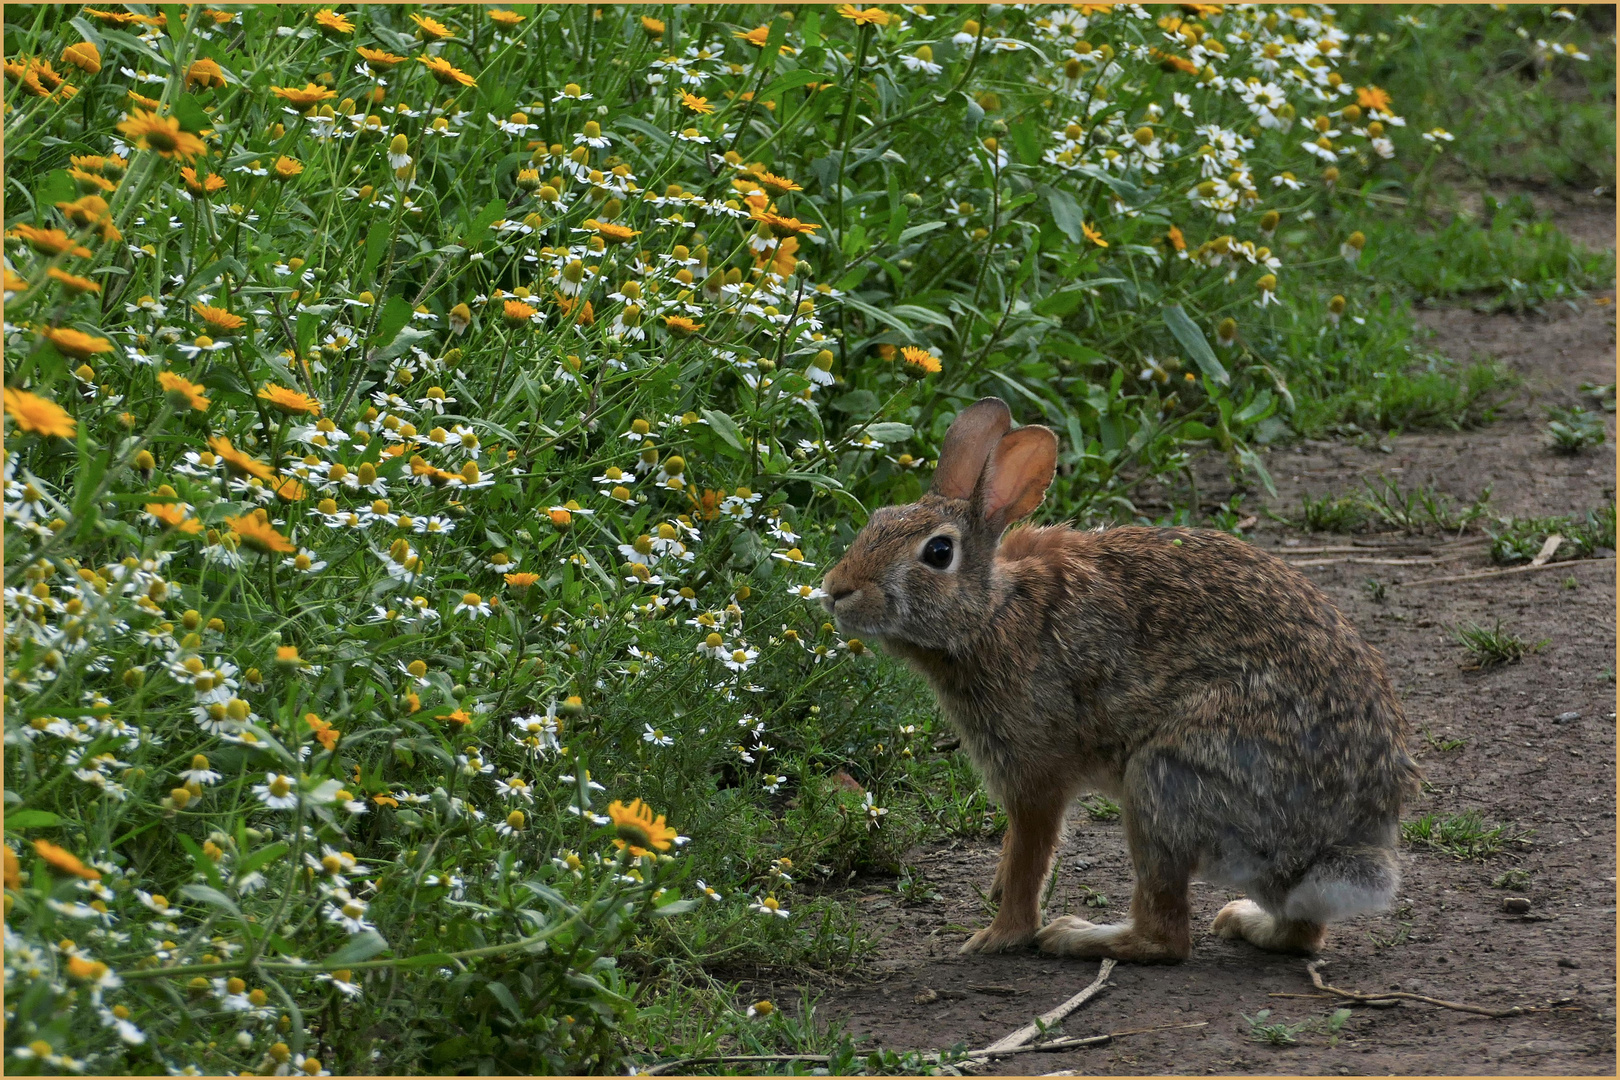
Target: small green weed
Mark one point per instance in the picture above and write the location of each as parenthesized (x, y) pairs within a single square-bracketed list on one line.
[(1601, 393), (1463, 836), (1333, 514), (1376, 590), (1263, 1029), (914, 888), (1517, 540), (1422, 508), (1511, 879), (1444, 745), (1101, 808), (1487, 648), (1334, 1024), (1573, 430)]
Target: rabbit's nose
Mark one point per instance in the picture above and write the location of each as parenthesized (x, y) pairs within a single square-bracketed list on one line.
[(836, 593)]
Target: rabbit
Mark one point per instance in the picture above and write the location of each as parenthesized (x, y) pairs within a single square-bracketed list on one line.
[(1248, 733)]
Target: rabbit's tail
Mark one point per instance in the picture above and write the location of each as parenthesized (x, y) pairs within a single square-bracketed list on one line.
[(1343, 882)]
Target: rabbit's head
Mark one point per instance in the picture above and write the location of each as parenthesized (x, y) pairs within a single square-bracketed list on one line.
[(921, 573)]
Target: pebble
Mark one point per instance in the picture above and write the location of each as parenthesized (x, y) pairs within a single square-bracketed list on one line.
[(926, 996), (1566, 962), (1566, 717), (1515, 905)]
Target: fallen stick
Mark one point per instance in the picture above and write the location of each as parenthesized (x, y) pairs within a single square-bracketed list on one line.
[(1034, 1028), (1566, 564), (664, 1068), (1074, 1043), (1416, 560), (1368, 999)]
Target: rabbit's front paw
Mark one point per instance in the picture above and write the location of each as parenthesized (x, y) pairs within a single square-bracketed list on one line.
[(995, 938)]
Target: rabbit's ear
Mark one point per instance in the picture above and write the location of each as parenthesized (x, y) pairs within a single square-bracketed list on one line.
[(973, 434), (1017, 475)]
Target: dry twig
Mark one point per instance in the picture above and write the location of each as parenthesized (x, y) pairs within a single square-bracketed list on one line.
[(1034, 1028), (1566, 564), (1369, 999)]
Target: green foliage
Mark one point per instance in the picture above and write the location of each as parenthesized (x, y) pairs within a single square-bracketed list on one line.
[(1520, 108), (1517, 540), (1573, 429), (447, 462), (1488, 647), (1463, 836)]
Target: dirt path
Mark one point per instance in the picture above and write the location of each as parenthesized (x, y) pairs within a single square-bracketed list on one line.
[(1530, 746)]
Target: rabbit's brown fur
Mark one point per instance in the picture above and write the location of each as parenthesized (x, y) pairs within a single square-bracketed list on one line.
[(1249, 734)]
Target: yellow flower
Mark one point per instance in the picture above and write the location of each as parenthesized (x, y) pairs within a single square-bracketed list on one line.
[(204, 72), (173, 516), (521, 580), (72, 282), (381, 59), (256, 532), (15, 282), (219, 320), (783, 227), (508, 19), (238, 462), (681, 326), (31, 412), (1092, 234), (89, 181), (162, 134), (517, 313), (699, 105), (65, 861), (638, 829), (332, 23), (288, 401), (613, 234), (432, 29), (441, 69), (290, 490), (50, 241), (84, 56), (183, 391), (209, 183), (872, 16), (116, 18), (303, 99), (76, 343), (757, 37), (286, 168), (653, 28), (775, 186), (921, 359), (1373, 97)]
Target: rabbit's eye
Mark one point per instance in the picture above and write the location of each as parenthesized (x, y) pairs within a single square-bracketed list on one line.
[(937, 552)]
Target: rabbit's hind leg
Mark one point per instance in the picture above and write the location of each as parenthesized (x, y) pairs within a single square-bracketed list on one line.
[(1026, 858), (1247, 920), (1157, 932)]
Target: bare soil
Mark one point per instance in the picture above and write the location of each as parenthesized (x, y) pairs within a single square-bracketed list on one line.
[(1528, 745)]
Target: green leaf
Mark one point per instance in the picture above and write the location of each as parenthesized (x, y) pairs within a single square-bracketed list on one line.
[(492, 212), (915, 231), (376, 242), (1192, 339), (890, 432), (260, 857), (500, 993), (1026, 141), (31, 819), (725, 427), (363, 946), (205, 894), (400, 345), (678, 907), (395, 314), (1254, 410), (1066, 215), (790, 81), (189, 111)]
